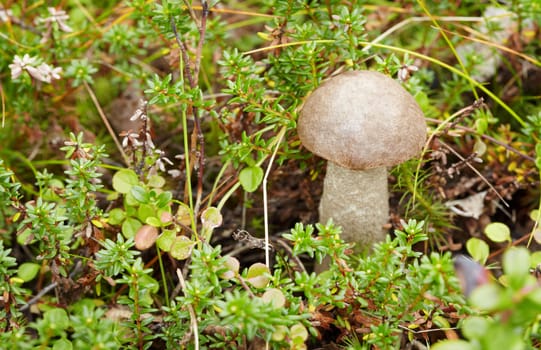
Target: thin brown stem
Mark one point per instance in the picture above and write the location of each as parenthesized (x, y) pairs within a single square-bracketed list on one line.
[(198, 140), (202, 34)]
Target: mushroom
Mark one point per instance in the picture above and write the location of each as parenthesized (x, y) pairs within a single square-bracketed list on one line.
[(362, 122)]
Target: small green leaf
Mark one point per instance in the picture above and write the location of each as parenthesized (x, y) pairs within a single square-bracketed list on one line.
[(453, 345), (156, 181), (486, 297), (154, 221), (124, 180), (478, 250), (144, 211), (250, 178), (116, 216), (166, 239), (498, 232), (274, 296), (534, 215), (211, 218), (130, 227), (164, 199), (181, 248), (233, 266), (28, 271), (479, 147), (475, 327), (140, 194), (279, 333), (62, 344), (257, 275), (57, 319), (535, 259), (516, 266), (481, 125), (298, 332)]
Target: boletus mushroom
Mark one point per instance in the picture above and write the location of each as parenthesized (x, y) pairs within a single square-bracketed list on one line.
[(362, 122)]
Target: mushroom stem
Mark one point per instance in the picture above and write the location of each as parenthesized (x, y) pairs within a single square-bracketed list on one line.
[(358, 201)]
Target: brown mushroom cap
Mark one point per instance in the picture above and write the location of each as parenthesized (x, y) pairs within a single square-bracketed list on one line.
[(362, 120)]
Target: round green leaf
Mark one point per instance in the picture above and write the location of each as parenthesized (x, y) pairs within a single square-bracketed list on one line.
[(298, 331), (140, 194), (166, 239), (181, 248), (474, 327), (478, 250), (233, 266), (130, 227), (116, 216), (535, 259), (498, 232), (279, 333), (62, 344), (481, 125), (250, 178), (156, 181), (164, 199), (154, 221), (534, 215), (124, 180), (516, 265), (28, 271), (211, 218), (274, 296), (257, 275), (479, 147), (486, 297), (145, 211), (57, 319)]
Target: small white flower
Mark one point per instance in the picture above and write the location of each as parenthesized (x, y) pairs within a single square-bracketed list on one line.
[(37, 73), (60, 17), (5, 15), (20, 64), (162, 159), (149, 142), (140, 111), (405, 72), (43, 72), (130, 138), (136, 115), (174, 173), (54, 72), (48, 73)]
